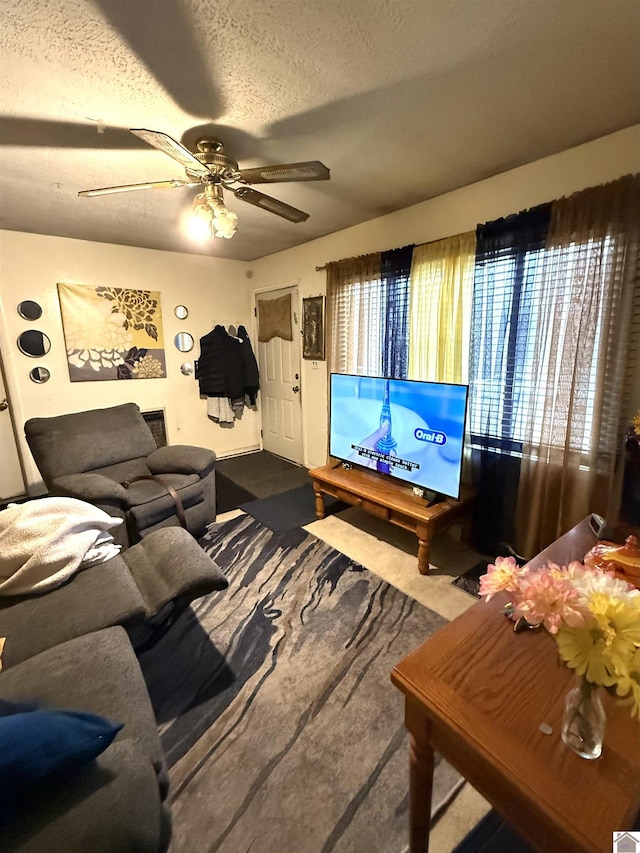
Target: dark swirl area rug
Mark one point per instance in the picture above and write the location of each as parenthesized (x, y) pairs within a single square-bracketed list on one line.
[(280, 724)]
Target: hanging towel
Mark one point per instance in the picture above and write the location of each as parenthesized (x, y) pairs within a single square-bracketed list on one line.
[(219, 410), (274, 318)]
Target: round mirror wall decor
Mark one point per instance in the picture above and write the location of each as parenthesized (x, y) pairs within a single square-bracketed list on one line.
[(39, 375), (183, 341), (181, 312), (29, 310), (34, 343)]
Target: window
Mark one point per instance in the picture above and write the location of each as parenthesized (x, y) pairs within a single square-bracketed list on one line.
[(367, 303), (553, 352), (520, 324), (357, 318)]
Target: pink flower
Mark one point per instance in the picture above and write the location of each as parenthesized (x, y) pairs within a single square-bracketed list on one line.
[(561, 571), (549, 598), (504, 574)]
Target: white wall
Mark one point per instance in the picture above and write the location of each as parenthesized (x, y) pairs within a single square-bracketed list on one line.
[(587, 165), (214, 291), (218, 291)]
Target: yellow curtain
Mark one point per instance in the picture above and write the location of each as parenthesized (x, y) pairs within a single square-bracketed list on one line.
[(573, 424), (440, 309)]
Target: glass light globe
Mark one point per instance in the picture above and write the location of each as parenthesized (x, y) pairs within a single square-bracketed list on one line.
[(199, 223), (225, 223)]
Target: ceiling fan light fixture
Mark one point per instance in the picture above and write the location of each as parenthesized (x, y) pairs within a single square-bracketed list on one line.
[(211, 167), (224, 223), (209, 216), (199, 223)]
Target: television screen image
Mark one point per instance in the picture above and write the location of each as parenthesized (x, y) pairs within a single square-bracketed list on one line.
[(406, 428)]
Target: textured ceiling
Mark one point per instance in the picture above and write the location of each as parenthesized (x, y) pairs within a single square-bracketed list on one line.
[(402, 99)]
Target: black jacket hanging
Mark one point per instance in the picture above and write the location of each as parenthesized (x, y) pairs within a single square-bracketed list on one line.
[(221, 366), (252, 377)]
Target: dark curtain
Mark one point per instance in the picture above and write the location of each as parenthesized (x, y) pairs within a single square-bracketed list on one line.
[(395, 274), (508, 262)]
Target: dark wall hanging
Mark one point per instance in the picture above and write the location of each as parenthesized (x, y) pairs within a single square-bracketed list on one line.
[(313, 328)]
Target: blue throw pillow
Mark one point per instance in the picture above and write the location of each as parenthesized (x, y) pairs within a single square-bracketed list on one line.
[(38, 748), (7, 707)]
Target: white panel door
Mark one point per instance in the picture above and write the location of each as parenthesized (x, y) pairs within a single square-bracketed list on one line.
[(279, 365), (11, 479)]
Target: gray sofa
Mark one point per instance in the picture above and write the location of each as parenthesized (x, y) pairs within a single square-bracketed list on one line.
[(144, 589), (73, 648), (117, 802)]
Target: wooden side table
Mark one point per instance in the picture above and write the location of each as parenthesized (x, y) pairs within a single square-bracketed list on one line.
[(386, 498), (478, 693)]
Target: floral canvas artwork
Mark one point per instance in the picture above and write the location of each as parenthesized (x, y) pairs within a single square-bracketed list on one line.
[(112, 333)]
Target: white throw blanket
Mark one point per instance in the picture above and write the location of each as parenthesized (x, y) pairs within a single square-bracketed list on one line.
[(43, 542)]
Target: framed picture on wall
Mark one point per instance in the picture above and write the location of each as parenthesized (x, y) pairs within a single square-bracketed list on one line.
[(112, 332), (313, 328)]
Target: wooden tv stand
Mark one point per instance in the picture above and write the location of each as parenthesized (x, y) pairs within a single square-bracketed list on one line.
[(386, 498)]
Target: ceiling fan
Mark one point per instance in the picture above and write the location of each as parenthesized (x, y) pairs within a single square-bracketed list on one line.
[(214, 169)]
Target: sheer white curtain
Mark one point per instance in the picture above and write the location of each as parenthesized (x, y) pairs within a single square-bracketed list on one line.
[(441, 292), (355, 315), (574, 420)]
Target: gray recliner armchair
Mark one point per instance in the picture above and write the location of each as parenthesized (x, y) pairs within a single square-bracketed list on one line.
[(99, 455)]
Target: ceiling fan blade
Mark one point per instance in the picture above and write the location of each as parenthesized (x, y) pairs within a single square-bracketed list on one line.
[(153, 185), (271, 204), (312, 170), (165, 143)]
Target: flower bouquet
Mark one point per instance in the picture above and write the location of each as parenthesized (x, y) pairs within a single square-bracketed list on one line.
[(594, 618)]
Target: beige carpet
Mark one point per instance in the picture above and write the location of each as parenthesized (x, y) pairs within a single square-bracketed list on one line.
[(391, 553)]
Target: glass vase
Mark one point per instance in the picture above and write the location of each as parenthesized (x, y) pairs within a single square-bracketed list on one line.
[(584, 720)]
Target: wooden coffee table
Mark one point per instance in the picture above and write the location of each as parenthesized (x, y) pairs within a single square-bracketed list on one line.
[(477, 693), (385, 498)]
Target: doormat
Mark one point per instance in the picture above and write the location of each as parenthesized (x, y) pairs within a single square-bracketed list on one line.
[(230, 495), (288, 510), (470, 580)]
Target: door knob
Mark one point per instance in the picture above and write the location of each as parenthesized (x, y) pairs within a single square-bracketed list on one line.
[(4, 405), (296, 389)]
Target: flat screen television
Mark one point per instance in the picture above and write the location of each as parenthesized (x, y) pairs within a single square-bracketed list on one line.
[(405, 428)]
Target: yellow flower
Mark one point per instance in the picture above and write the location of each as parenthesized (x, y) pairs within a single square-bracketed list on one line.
[(635, 422), (603, 648), (583, 648), (619, 623), (629, 682)]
